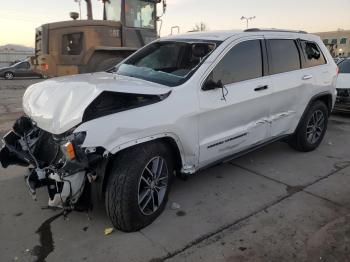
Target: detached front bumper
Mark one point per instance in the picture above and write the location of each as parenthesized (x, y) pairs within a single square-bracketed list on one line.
[(49, 165), (342, 103)]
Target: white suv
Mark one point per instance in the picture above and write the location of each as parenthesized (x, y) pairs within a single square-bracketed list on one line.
[(176, 106)]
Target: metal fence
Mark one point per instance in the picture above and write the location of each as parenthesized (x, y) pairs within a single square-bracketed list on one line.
[(9, 57)]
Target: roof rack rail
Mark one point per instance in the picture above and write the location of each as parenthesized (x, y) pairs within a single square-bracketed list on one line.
[(274, 30)]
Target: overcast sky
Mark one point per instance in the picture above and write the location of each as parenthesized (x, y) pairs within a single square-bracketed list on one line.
[(19, 18)]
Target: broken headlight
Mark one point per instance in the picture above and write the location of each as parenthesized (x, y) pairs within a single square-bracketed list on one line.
[(71, 146)]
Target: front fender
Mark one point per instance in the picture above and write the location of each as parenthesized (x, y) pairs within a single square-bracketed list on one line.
[(174, 137), (104, 167)]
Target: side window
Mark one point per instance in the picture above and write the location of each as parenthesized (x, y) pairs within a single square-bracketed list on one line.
[(242, 62), (72, 44), (344, 67), (24, 65), (312, 53), (283, 56)]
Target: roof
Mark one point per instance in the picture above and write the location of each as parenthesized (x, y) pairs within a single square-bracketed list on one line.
[(223, 35), (79, 23), (206, 35)]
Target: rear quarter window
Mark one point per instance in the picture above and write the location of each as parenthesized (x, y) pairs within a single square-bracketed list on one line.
[(312, 53), (283, 56)]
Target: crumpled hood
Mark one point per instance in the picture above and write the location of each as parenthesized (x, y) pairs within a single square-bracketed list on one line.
[(58, 104)]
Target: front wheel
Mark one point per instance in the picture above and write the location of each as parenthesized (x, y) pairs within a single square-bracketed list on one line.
[(9, 76), (138, 186), (312, 128)]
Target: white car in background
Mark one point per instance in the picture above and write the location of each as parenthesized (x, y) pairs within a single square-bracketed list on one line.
[(178, 105), (343, 87)]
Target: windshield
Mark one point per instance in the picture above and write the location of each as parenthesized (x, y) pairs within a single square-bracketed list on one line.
[(168, 63), (140, 13), (113, 10)]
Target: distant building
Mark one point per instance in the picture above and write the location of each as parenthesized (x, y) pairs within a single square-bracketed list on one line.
[(10, 54), (338, 42)]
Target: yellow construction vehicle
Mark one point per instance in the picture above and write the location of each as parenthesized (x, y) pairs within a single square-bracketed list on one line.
[(83, 46)]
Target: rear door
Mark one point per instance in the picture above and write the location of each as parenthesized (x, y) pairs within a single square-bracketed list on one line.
[(291, 84), (234, 117)]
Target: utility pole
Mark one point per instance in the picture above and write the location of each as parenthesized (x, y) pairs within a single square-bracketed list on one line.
[(248, 19), (89, 9)]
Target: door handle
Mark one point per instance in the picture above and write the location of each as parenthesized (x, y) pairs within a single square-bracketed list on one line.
[(261, 88), (307, 77)]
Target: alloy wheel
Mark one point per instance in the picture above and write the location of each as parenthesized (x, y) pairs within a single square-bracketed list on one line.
[(9, 75), (315, 127), (153, 185)]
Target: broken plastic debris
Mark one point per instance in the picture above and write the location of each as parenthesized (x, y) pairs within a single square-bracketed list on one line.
[(330, 143), (175, 206), (108, 231)]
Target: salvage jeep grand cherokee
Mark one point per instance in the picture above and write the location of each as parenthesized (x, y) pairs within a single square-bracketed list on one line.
[(178, 105)]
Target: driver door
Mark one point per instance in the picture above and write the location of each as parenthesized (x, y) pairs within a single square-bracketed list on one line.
[(235, 117)]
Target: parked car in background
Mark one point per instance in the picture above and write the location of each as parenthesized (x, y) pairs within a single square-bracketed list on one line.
[(343, 87), (20, 69), (178, 105), (337, 60)]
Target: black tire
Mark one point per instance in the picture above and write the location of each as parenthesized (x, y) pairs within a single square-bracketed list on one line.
[(9, 75), (122, 191), (302, 140)]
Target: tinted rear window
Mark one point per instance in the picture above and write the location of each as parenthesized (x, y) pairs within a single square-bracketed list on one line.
[(242, 62), (283, 56), (344, 67), (313, 54)]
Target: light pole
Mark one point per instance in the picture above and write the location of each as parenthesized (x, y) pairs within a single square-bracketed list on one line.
[(248, 19), (79, 2)]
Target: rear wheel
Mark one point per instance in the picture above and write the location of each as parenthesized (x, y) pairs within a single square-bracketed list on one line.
[(312, 129), (9, 76), (138, 186)]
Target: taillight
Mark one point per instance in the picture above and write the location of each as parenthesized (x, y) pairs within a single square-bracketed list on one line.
[(44, 66)]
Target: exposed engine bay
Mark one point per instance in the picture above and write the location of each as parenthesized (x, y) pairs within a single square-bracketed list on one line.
[(56, 162)]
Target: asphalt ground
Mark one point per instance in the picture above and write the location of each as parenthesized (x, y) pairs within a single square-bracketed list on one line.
[(274, 204)]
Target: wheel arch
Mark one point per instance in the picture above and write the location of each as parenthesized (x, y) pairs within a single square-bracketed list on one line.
[(171, 142), (325, 97)]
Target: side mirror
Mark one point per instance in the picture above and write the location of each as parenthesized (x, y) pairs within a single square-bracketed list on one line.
[(210, 84)]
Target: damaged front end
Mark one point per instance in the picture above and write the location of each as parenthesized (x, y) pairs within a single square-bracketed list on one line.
[(57, 162)]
